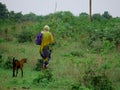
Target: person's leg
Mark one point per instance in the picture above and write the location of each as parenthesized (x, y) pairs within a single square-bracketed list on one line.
[(49, 56), (45, 63), (42, 54), (46, 55)]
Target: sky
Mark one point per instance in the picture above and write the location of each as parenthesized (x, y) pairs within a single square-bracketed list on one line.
[(45, 7)]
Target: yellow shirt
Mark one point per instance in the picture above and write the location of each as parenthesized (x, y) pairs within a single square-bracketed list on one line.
[(47, 38)]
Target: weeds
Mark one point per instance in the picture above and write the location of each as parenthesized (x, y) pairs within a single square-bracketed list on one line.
[(43, 78), (39, 65), (78, 53), (8, 63)]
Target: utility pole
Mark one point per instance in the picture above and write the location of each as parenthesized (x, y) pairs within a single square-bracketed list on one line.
[(90, 9)]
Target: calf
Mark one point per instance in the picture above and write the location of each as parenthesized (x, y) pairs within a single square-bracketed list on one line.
[(18, 65)]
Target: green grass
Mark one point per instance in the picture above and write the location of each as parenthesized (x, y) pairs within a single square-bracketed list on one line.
[(31, 51), (67, 66)]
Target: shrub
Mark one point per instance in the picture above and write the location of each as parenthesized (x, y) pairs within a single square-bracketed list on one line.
[(39, 65), (2, 40), (77, 53), (1, 57), (107, 37), (107, 46), (25, 36), (113, 33), (97, 81), (77, 86), (94, 76), (44, 78), (8, 63)]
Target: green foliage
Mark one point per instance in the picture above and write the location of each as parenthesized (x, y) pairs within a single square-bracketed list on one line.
[(14, 81), (5, 62), (2, 51), (18, 16), (78, 53), (100, 36), (25, 36), (110, 32), (97, 82), (107, 15), (8, 63), (3, 11), (44, 78), (94, 76), (97, 17), (2, 40), (39, 65), (107, 46), (30, 17), (77, 86), (113, 33)]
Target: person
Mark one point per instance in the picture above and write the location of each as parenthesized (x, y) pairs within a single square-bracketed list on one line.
[(46, 45)]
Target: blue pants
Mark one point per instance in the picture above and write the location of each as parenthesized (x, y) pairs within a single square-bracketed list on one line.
[(46, 54)]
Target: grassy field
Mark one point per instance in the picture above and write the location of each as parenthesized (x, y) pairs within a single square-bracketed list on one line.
[(70, 66), (86, 55)]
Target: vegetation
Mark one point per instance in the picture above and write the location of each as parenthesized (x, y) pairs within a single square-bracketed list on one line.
[(86, 55)]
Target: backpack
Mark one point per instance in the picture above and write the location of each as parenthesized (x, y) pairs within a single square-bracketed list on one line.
[(39, 39)]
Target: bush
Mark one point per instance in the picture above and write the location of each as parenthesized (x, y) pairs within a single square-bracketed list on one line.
[(104, 40), (77, 86), (113, 33), (107, 46), (39, 65), (44, 78), (94, 76), (1, 57), (2, 40), (77, 53), (25, 36), (97, 81), (8, 63)]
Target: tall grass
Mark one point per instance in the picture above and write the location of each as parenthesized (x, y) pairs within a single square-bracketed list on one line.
[(71, 65)]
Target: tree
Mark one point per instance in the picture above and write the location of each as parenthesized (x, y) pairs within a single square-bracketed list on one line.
[(11, 15), (97, 17), (3, 11), (18, 17), (107, 15), (30, 17)]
